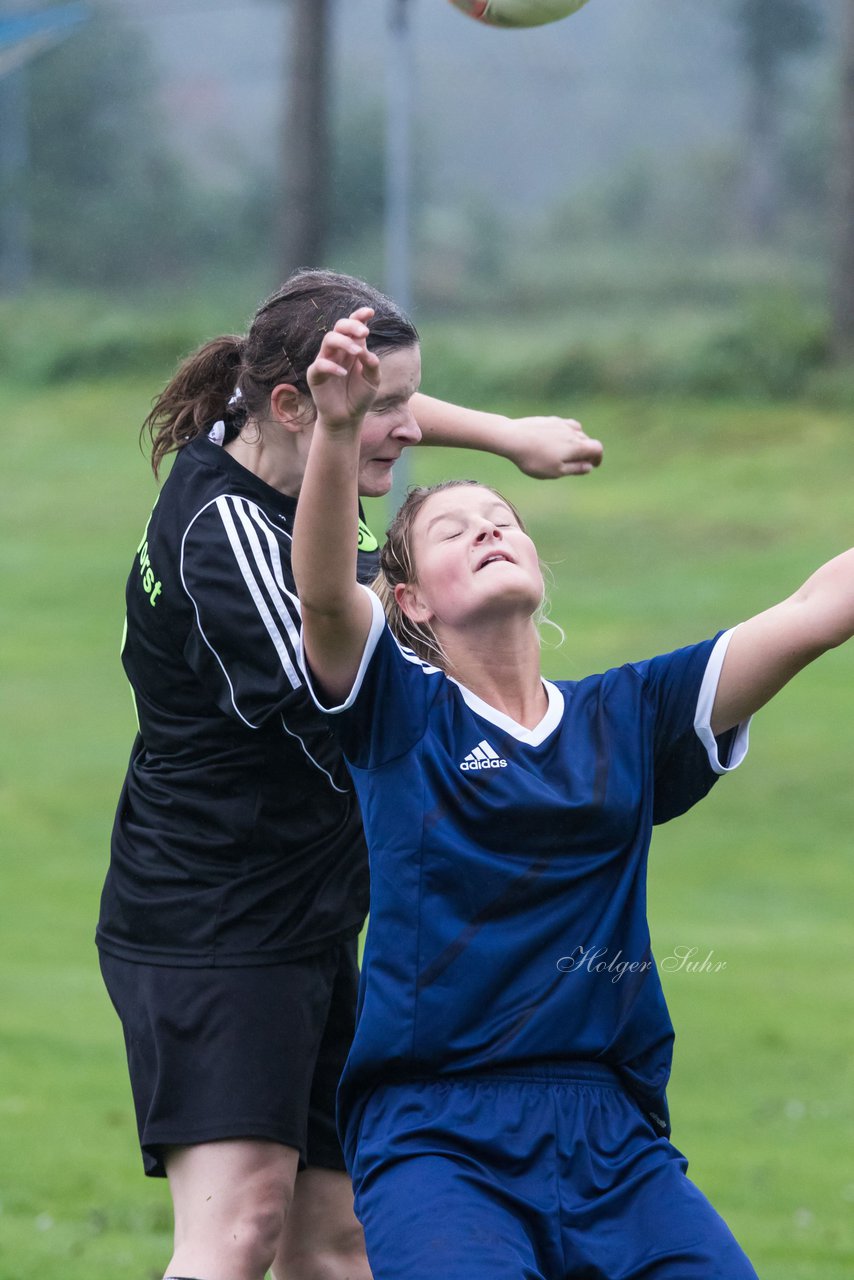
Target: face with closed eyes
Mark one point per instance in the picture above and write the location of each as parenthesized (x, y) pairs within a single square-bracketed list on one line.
[(472, 561)]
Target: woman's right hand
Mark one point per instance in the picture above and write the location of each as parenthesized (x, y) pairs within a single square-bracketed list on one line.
[(345, 376)]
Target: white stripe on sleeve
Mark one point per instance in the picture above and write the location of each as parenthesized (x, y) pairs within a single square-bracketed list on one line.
[(378, 625), (285, 653), (270, 568), (705, 705)]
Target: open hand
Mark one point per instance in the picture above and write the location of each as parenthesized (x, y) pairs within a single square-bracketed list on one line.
[(345, 375)]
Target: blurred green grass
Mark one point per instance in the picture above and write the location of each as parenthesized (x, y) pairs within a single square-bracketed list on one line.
[(703, 514)]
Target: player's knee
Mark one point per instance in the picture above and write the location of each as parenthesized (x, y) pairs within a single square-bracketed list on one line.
[(257, 1231), (243, 1242), (339, 1257)]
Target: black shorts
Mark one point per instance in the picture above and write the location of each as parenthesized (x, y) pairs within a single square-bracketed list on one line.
[(252, 1052)]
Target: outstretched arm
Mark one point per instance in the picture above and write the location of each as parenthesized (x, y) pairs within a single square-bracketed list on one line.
[(767, 651), (543, 447), (336, 613)]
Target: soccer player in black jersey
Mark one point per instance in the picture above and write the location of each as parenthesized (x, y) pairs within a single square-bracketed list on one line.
[(238, 878)]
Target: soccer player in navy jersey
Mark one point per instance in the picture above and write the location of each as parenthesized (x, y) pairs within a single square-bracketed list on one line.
[(503, 1108), (238, 873)]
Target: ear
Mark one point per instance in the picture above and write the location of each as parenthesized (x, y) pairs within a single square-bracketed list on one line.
[(410, 602), (288, 407)]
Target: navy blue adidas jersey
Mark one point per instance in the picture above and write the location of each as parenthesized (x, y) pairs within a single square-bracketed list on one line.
[(502, 856), (238, 839)]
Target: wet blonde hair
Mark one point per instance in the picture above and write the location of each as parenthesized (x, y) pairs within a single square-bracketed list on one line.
[(397, 567)]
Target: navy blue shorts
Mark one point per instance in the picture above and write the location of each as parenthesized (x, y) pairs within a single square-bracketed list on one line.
[(250, 1052), (547, 1174)]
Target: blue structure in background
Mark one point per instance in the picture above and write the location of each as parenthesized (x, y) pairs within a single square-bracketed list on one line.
[(22, 37)]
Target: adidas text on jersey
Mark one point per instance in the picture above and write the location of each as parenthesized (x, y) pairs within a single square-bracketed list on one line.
[(483, 757)]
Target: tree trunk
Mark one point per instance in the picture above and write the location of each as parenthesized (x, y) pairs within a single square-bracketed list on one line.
[(305, 151), (842, 280)]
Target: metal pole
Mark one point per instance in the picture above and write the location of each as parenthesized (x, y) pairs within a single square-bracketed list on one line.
[(398, 153), (842, 276), (398, 180)]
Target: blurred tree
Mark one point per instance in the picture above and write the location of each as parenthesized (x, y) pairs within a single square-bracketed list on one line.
[(770, 34), (15, 255), (108, 201), (305, 150), (25, 34), (842, 287)]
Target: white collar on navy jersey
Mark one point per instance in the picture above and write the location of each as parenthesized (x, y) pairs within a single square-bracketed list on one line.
[(532, 737)]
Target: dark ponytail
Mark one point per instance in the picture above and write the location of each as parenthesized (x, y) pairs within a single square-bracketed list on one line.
[(197, 396), (282, 343)]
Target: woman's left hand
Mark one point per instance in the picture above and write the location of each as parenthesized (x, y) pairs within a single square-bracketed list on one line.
[(345, 375), (548, 448)]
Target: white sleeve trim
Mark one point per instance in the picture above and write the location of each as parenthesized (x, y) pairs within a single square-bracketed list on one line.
[(377, 627), (703, 716)]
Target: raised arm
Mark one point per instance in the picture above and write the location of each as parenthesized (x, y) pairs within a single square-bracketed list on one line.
[(336, 613), (544, 447), (767, 651)]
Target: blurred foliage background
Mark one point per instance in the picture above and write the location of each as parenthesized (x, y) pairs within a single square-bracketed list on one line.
[(653, 190)]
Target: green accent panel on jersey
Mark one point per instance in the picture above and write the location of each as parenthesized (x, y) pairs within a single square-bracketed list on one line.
[(367, 541)]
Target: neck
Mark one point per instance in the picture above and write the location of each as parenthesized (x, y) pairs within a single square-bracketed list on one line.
[(272, 457), (500, 663)]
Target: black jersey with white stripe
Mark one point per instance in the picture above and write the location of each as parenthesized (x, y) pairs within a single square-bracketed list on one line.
[(238, 838)]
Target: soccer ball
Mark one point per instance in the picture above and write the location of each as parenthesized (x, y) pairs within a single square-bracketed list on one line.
[(518, 13)]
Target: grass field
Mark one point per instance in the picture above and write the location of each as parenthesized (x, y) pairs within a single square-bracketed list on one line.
[(702, 515)]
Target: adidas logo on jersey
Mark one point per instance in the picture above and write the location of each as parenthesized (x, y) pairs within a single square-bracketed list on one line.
[(483, 757)]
